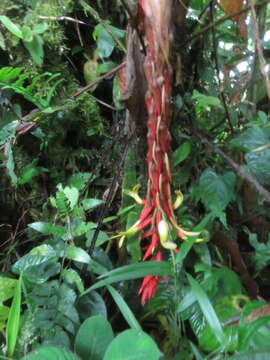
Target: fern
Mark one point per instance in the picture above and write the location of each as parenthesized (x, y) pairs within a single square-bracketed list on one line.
[(26, 84), (62, 204)]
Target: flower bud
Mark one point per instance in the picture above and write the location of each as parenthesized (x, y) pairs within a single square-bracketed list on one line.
[(163, 231)]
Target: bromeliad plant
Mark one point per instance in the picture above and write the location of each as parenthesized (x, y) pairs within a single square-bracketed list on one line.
[(157, 216)]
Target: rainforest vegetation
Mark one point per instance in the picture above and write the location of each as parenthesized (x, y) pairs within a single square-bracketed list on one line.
[(135, 179)]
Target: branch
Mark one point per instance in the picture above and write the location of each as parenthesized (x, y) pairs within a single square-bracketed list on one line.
[(236, 168), (259, 48), (62, 18), (221, 20), (94, 82)]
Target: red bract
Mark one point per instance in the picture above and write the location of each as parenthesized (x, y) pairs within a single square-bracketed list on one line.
[(148, 288)]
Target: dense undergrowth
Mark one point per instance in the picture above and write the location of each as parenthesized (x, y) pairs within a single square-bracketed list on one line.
[(70, 159)]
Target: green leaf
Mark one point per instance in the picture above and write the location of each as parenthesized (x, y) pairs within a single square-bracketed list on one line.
[(91, 304), (203, 100), (261, 256), (71, 277), (134, 271), (89, 204), (252, 354), (101, 239), (4, 311), (35, 48), (14, 319), (250, 139), (215, 191), (9, 73), (124, 308), (182, 152), (79, 180), (207, 309), (93, 338), (36, 256), (72, 195), (47, 228), (132, 344), (77, 254), (29, 172), (7, 288), (13, 28), (50, 353), (105, 42)]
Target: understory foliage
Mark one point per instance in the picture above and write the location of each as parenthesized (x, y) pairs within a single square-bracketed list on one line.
[(73, 161)]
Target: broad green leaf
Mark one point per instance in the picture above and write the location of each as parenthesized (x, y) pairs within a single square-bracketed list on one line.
[(134, 271), (47, 228), (27, 33), (35, 257), (72, 194), (7, 288), (101, 239), (182, 152), (203, 100), (261, 255), (79, 180), (77, 254), (214, 190), (132, 344), (35, 48), (50, 353), (9, 73), (89, 204), (207, 309), (124, 308), (91, 304), (14, 319), (250, 139), (29, 172), (93, 338), (13, 28), (71, 277), (105, 42)]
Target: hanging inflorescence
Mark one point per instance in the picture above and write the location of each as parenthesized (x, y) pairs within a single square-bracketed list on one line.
[(157, 216)]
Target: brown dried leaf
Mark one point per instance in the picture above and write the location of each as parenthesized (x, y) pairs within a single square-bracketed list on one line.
[(231, 6)]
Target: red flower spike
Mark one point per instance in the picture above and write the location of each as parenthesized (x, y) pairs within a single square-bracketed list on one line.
[(154, 23)]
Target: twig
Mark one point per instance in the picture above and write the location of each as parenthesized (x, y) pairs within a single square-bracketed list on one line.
[(94, 82), (221, 20), (103, 103), (109, 197), (259, 48), (237, 169), (221, 90), (62, 18)]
